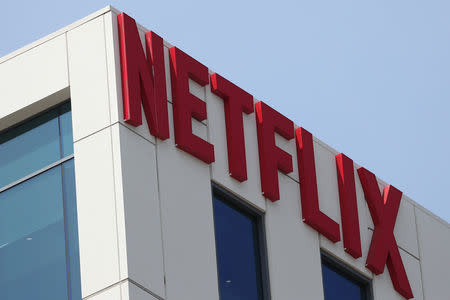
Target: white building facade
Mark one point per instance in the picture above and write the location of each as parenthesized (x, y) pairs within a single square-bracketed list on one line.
[(147, 224)]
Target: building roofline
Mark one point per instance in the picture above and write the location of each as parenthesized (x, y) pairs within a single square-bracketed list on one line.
[(58, 33), (110, 8), (384, 183)]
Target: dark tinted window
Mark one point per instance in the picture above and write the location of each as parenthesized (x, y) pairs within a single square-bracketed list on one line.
[(339, 282), (238, 247)]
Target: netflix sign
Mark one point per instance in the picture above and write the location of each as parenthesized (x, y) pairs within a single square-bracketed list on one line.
[(144, 86)]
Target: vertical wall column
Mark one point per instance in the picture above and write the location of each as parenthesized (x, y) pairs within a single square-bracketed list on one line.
[(93, 150)]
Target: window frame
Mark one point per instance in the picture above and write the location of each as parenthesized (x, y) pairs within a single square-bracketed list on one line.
[(347, 272), (261, 241)]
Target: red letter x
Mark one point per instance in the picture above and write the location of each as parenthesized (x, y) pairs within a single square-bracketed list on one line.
[(383, 248)]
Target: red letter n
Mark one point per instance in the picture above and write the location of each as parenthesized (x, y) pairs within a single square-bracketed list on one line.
[(272, 158), (383, 248), (143, 79)]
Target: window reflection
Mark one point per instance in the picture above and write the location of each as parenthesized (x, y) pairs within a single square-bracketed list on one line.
[(38, 221), (33, 240), (28, 148)]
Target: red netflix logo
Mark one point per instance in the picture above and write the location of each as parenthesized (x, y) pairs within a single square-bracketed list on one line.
[(144, 85)]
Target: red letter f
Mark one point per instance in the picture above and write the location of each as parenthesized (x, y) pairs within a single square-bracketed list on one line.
[(383, 248)]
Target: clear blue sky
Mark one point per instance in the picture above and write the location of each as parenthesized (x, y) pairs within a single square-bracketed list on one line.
[(370, 78)]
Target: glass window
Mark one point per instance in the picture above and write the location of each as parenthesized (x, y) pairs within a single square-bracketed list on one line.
[(32, 239), (239, 250), (29, 147), (340, 282), (65, 121), (38, 225), (71, 225)]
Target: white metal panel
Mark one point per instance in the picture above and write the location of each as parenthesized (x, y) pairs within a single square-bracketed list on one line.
[(200, 129), (293, 248), (112, 293), (198, 90), (188, 226), (125, 290), (382, 284), (97, 226), (113, 65), (291, 148), (132, 292), (88, 78), (434, 245), (141, 130), (249, 190), (405, 228), (120, 207), (33, 75), (142, 211)]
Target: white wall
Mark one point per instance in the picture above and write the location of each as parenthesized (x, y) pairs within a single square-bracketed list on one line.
[(144, 207)]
